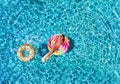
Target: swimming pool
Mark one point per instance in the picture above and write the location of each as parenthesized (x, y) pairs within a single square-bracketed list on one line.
[(93, 27)]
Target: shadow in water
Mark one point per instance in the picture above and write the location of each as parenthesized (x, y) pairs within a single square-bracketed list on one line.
[(42, 50), (40, 4), (71, 44), (36, 2)]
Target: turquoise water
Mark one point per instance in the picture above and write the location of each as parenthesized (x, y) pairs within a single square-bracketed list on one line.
[(93, 27)]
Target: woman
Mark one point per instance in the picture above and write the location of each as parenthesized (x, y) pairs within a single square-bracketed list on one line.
[(59, 39)]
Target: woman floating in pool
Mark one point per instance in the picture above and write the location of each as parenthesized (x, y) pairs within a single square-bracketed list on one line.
[(57, 45)]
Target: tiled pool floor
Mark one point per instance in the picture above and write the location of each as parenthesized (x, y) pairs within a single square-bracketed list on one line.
[(93, 27)]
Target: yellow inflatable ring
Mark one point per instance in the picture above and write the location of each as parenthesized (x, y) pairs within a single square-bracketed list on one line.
[(23, 57)]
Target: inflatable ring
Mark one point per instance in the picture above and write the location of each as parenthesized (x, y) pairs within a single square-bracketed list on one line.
[(63, 48), (23, 57)]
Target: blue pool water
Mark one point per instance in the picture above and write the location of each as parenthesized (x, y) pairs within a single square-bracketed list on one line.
[(93, 27)]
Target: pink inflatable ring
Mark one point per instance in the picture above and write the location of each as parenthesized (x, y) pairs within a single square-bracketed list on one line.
[(62, 49)]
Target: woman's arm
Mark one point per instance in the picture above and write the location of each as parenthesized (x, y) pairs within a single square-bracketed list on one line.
[(60, 40), (48, 55)]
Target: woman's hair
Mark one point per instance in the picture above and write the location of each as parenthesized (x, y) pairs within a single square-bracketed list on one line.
[(63, 37)]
